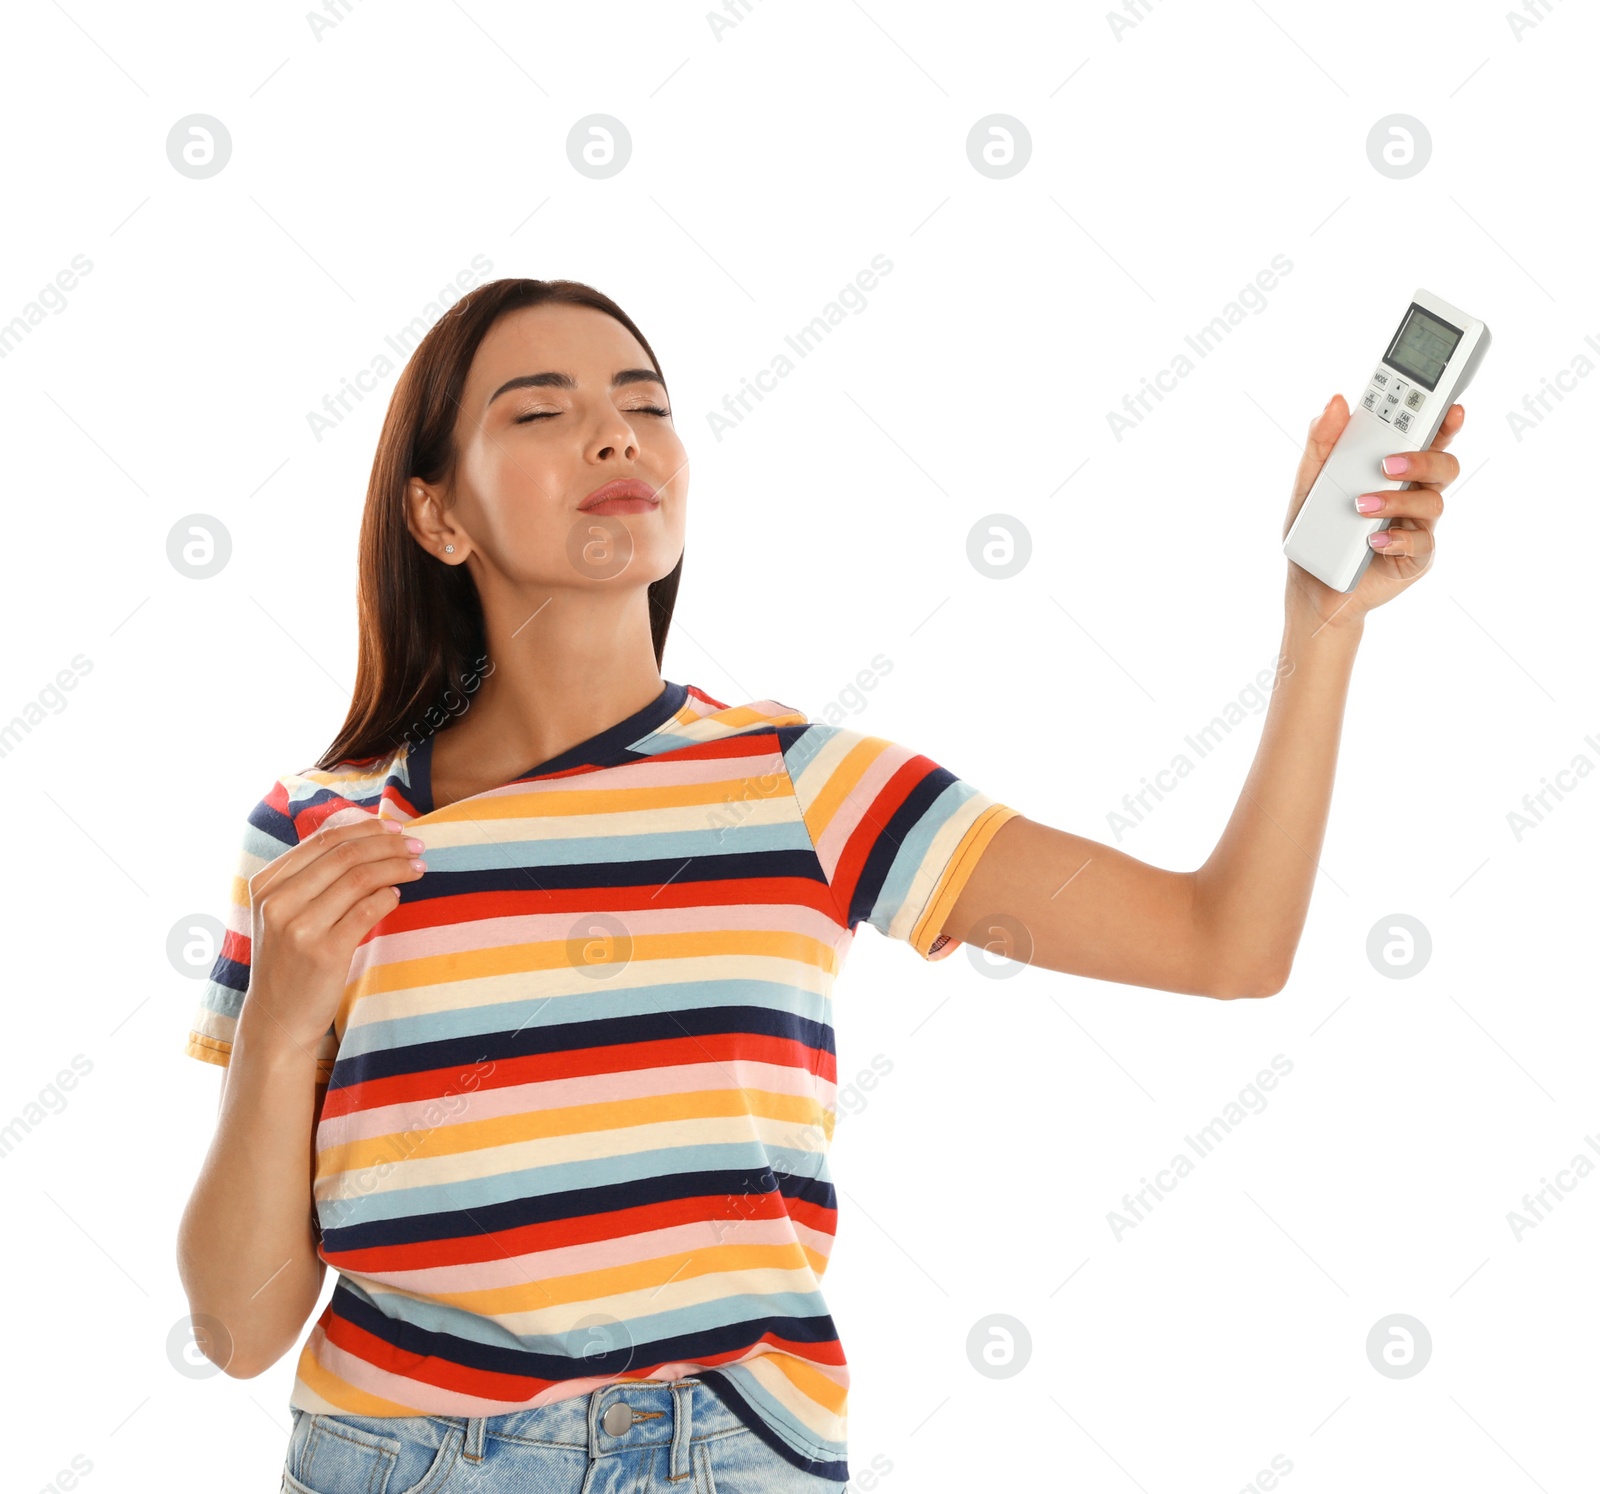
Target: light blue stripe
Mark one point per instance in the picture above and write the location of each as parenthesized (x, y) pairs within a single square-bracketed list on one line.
[(723, 836), (777, 1416), (606, 1003), (667, 740), (798, 755), (437, 1317), (913, 851), (561, 1177)]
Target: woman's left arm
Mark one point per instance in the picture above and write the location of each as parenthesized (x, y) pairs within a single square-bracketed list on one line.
[(1231, 927)]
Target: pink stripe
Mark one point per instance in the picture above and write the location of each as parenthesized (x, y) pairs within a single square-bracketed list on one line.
[(850, 813), (471, 1106), (471, 936), (416, 1397), (648, 773), (701, 1239)]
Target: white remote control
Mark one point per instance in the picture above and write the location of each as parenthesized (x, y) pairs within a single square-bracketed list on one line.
[(1431, 359)]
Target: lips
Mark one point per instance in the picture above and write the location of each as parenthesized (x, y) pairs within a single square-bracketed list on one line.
[(625, 496)]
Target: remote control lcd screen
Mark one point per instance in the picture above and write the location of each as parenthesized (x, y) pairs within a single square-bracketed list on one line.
[(1423, 346)]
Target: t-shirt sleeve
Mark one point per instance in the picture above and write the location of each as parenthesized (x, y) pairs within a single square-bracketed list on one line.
[(269, 833), (897, 835)]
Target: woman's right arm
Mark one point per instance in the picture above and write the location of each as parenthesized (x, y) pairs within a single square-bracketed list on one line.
[(247, 1251)]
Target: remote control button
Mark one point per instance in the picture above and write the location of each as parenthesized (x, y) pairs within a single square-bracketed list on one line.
[(1371, 401), (1381, 379), (1400, 387), (1415, 399), (1385, 411), (1391, 399), (1402, 421)]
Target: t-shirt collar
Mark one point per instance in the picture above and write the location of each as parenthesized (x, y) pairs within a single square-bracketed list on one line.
[(604, 749)]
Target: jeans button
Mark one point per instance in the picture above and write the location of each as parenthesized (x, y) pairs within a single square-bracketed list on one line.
[(618, 1418)]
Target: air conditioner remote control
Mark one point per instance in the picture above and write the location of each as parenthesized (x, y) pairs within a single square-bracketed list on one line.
[(1430, 359)]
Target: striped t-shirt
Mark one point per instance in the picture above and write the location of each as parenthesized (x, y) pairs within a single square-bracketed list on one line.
[(581, 1085)]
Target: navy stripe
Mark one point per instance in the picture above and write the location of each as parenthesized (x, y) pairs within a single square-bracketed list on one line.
[(837, 1471), (603, 1198), (535, 1038), (503, 1360), (606, 746), (888, 840), (610, 877)]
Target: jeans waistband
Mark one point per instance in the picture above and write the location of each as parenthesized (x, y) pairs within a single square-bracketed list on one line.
[(674, 1412)]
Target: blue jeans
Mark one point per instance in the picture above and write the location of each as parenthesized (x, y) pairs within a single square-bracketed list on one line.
[(682, 1440)]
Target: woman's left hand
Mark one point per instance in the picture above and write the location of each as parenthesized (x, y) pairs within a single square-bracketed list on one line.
[(1404, 550)]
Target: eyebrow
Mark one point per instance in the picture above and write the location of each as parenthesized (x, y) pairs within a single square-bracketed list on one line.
[(566, 381)]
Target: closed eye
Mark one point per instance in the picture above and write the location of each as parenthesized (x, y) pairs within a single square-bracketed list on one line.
[(549, 414)]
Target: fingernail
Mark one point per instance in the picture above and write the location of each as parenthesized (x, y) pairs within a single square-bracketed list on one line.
[(413, 844), (1380, 540), (1393, 466), (1369, 503), (393, 825)]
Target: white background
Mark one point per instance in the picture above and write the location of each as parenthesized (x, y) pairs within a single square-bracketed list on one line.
[(769, 166)]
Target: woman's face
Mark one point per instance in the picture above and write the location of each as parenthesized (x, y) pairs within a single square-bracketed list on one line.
[(561, 401)]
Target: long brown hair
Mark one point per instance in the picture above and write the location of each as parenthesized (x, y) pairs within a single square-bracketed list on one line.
[(422, 646)]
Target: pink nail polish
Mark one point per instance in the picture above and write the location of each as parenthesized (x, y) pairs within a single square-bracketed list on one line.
[(1380, 540), (1393, 466), (1369, 503)]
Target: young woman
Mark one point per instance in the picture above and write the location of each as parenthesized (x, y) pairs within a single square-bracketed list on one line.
[(525, 1000)]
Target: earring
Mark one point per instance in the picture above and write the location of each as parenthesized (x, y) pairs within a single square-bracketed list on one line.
[(449, 549)]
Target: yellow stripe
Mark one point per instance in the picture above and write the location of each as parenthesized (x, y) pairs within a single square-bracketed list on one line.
[(841, 785), (811, 1382), (344, 1396), (549, 802), (569, 1121), (739, 717), (200, 1046), (959, 868), (214, 1050), (650, 1277), (531, 957)]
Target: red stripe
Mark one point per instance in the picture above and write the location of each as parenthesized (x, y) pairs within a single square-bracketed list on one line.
[(450, 910), (574, 1063), (872, 825), (559, 1234), (494, 1385)]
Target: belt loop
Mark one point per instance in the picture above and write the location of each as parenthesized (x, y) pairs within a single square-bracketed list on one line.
[(680, 1465), (472, 1446)]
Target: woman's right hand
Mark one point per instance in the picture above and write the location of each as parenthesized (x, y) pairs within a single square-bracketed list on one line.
[(309, 911)]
